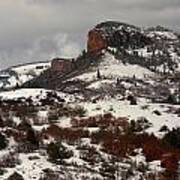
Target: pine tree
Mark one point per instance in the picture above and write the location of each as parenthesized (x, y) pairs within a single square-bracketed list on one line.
[(3, 142), (98, 74), (15, 176), (31, 137), (118, 81)]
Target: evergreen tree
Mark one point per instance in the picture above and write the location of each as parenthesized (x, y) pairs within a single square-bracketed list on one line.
[(57, 152), (15, 176), (3, 142), (31, 137), (173, 138), (98, 74)]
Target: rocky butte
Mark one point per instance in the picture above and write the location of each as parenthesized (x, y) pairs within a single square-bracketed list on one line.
[(115, 34)]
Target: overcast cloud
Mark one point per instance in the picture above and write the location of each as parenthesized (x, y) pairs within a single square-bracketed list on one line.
[(33, 30)]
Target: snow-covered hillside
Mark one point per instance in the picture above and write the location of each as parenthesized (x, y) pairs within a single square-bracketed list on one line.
[(51, 121), (16, 76), (112, 68), (143, 109), (34, 94), (113, 116)]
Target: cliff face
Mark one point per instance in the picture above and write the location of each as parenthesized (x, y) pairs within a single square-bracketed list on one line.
[(96, 42), (60, 65)]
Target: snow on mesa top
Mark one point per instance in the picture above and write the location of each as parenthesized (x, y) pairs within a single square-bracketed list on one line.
[(112, 26), (161, 33)]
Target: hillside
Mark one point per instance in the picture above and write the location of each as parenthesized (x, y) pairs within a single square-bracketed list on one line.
[(154, 48), (113, 116), (16, 76)]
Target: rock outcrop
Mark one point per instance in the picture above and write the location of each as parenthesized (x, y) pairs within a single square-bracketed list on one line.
[(156, 48), (115, 35), (96, 42), (61, 65)]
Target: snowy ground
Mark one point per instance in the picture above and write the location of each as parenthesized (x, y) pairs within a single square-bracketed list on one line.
[(30, 168), (32, 165), (16, 76), (113, 68), (134, 112), (34, 94)]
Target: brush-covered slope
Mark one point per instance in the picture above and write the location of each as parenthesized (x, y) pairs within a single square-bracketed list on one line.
[(115, 116)]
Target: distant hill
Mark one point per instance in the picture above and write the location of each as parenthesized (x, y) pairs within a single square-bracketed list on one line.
[(17, 75)]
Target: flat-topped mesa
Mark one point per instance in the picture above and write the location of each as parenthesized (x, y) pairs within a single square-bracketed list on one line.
[(116, 35)]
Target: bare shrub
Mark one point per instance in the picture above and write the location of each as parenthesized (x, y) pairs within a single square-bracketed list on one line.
[(9, 160), (15, 176)]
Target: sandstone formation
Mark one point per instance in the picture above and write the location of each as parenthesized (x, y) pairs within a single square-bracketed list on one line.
[(96, 42)]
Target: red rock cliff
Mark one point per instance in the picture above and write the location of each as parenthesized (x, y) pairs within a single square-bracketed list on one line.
[(96, 42), (61, 65)]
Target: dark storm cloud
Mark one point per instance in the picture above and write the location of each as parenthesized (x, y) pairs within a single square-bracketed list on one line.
[(33, 30)]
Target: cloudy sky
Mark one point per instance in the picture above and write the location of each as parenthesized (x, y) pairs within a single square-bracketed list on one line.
[(33, 30)]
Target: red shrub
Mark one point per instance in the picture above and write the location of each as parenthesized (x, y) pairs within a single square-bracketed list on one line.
[(120, 148), (153, 150), (108, 116), (67, 134), (101, 121), (170, 162), (52, 130)]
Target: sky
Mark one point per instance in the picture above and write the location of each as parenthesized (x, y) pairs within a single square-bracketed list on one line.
[(38, 30)]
